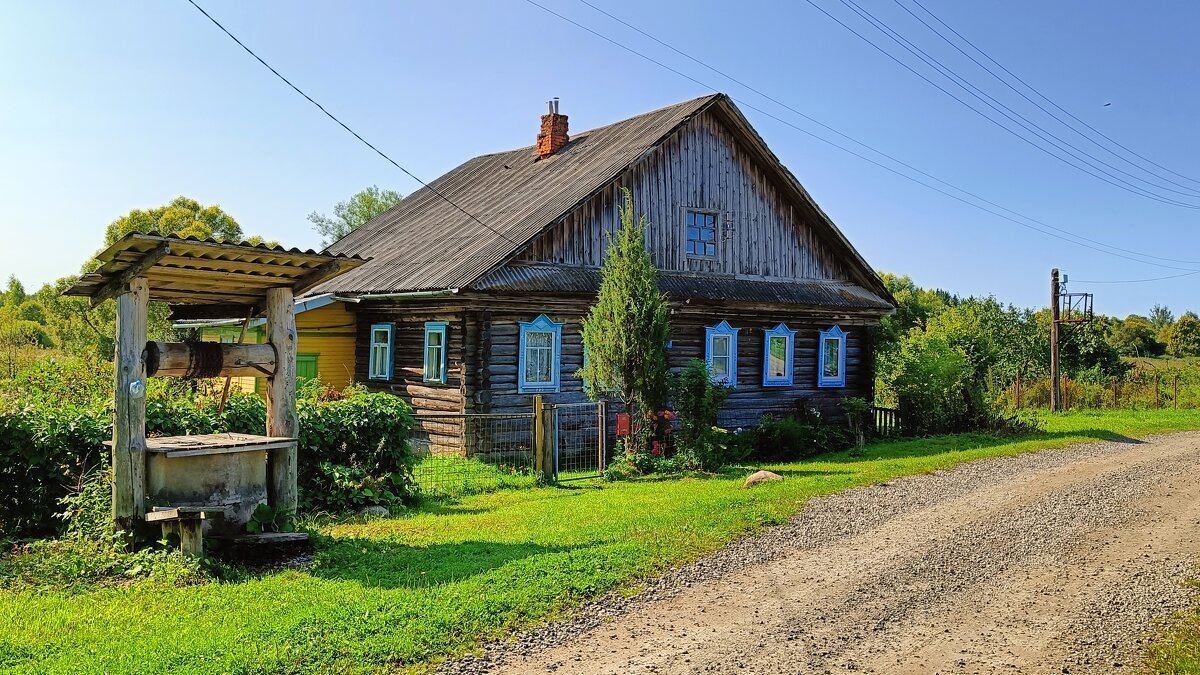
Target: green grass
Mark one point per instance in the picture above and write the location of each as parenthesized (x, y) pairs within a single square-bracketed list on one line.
[(443, 476), (1177, 650), (401, 592)]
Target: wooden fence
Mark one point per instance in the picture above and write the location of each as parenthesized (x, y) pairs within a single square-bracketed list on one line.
[(886, 422)]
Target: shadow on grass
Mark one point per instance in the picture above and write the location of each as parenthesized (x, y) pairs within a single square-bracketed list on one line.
[(386, 564)]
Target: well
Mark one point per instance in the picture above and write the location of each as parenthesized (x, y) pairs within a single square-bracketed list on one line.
[(211, 482)]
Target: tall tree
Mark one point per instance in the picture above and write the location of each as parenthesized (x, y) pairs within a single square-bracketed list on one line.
[(1161, 317), (625, 333), (353, 213), (1135, 336), (183, 217), (1183, 336)]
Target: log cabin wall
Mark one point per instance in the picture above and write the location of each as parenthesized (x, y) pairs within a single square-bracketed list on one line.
[(408, 363), (495, 390), (702, 168)]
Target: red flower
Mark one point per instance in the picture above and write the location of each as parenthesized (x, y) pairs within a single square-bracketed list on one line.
[(655, 448)]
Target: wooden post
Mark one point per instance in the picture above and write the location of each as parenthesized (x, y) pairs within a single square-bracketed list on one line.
[(1056, 404), (1157, 391), (1065, 403), (601, 435), (129, 423), (281, 399), (542, 463), (1018, 396), (1175, 396)]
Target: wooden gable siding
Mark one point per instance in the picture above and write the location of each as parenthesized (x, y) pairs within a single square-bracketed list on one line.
[(701, 167), (327, 331)]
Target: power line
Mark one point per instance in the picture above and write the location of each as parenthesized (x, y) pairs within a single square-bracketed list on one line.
[(1038, 130), (1107, 178), (344, 125), (1135, 281), (1040, 95), (1073, 237)]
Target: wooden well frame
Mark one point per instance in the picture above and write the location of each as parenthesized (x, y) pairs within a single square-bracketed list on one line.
[(204, 279)]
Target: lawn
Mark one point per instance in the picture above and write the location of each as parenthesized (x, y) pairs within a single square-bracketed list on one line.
[(403, 592)]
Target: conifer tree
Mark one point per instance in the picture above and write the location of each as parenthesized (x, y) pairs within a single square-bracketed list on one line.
[(625, 334)]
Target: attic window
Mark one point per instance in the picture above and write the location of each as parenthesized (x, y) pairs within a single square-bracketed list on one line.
[(701, 234)]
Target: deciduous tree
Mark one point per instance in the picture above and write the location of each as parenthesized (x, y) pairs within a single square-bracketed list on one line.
[(353, 213)]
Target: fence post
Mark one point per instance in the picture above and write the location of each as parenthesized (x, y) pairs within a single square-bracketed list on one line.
[(1066, 393), (1175, 396), (1157, 391), (539, 436), (602, 435), (1116, 395), (1018, 396)]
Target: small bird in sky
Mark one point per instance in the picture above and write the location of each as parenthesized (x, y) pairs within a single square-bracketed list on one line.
[(1107, 104)]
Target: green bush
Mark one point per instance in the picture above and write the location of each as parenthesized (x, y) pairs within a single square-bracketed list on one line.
[(55, 417), (698, 400), (354, 449), (789, 439)]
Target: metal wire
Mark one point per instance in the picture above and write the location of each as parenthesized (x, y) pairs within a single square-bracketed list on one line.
[(579, 446), (459, 454)]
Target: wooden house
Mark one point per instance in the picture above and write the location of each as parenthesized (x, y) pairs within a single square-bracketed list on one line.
[(325, 327), (472, 297)]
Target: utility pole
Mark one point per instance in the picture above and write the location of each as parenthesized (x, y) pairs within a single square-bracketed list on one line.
[(1055, 391)]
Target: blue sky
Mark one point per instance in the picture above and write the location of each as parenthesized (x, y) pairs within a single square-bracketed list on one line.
[(108, 106)]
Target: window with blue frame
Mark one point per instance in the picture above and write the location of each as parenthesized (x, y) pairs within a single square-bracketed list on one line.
[(540, 348), (778, 347), (435, 351), (379, 354), (831, 348), (720, 352), (701, 234)]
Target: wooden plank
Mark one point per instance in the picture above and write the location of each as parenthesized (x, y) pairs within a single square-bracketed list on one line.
[(129, 423), (119, 283), (188, 312), (319, 274), (165, 513), (281, 398)]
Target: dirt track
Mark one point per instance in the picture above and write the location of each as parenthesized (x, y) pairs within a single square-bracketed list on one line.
[(1057, 562)]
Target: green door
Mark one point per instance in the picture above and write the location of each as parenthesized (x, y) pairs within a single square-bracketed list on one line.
[(306, 366)]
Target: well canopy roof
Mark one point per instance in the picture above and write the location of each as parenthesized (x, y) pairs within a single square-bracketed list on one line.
[(206, 272)]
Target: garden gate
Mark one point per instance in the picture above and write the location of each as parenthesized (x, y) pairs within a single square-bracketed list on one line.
[(578, 440)]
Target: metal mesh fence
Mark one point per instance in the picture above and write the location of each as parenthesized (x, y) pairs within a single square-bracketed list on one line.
[(579, 440), (460, 454)]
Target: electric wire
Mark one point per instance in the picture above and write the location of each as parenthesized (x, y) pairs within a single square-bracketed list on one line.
[(1038, 130), (1074, 238), (1133, 281), (1041, 95), (833, 130), (346, 127), (1111, 180)]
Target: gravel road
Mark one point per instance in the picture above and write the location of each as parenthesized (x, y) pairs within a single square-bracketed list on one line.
[(1054, 562)]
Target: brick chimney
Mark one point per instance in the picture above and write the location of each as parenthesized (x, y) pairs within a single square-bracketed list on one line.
[(553, 135)]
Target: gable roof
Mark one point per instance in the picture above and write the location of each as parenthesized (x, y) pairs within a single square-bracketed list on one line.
[(426, 243)]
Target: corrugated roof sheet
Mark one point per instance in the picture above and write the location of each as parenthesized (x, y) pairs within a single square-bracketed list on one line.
[(553, 279), (190, 270), (426, 243)]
